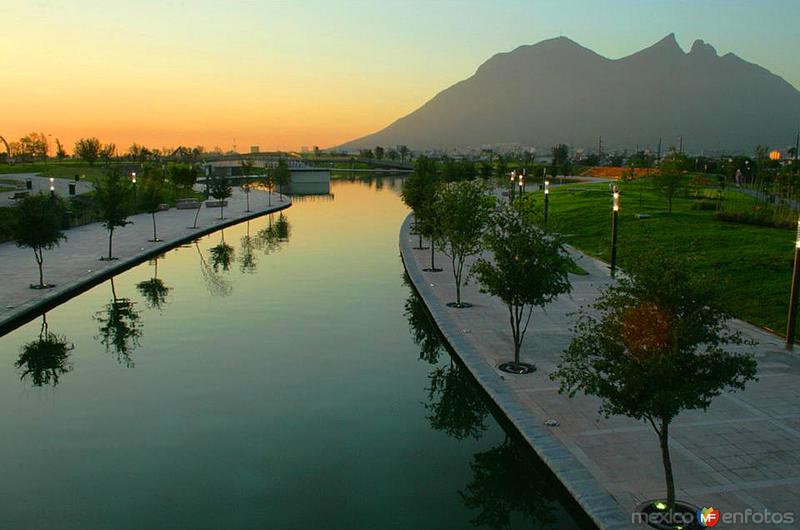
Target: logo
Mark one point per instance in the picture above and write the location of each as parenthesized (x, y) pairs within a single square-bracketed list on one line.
[(708, 517)]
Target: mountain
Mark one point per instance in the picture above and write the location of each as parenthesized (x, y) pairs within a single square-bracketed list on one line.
[(558, 91)]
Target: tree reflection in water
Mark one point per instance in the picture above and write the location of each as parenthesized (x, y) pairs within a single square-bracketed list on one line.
[(221, 256), (216, 284), (509, 486), (270, 238), (120, 327), (154, 290), (247, 258), (44, 360)]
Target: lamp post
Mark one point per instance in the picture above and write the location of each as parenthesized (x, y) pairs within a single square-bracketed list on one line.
[(133, 181), (614, 214), (521, 184), (511, 193), (793, 296), (52, 187), (546, 199)]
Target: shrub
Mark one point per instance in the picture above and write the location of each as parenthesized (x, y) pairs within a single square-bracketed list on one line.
[(760, 215)]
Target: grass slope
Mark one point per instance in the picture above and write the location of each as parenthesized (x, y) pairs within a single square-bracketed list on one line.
[(752, 265)]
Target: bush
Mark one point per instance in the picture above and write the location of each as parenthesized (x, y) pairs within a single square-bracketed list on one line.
[(6, 224), (760, 215), (704, 204)]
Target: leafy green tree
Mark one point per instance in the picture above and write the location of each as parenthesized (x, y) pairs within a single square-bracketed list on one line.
[(463, 210), (404, 152), (668, 180), (45, 359), (485, 171), (655, 344), (246, 185), (112, 196), (379, 152), (501, 170), (282, 175), (528, 269), (61, 153), (150, 200), (219, 187), (418, 193), (38, 227), (560, 155), (88, 149)]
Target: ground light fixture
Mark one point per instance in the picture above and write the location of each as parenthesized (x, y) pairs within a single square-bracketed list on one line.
[(614, 214), (790, 325), (546, 199)]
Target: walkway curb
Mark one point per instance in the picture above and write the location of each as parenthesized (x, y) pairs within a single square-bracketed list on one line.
[(595, 500), (27, 311)]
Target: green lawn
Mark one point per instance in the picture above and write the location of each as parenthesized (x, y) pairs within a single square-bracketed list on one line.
[(752, 265), (66, 169)]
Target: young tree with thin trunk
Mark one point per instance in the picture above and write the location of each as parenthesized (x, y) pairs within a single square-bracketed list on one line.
[(656, 343), (282, 175), (150, 200), (668, 180), (463, 210), (38, 227), (528, 268), (220, 188), (113, 200), (418, 192)]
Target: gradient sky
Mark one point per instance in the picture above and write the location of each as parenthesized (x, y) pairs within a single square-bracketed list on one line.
[(313, 72)]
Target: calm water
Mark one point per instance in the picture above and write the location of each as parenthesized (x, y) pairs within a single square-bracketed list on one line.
[(278, 374)]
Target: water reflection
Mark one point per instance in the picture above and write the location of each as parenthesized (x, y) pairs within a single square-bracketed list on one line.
[(221, 255), (509, 485), (507, 482), (247, 257), (45, 359), (120, 327), (154, 290), (216, 284)]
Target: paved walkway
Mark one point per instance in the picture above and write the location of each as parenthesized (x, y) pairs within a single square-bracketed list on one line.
[(41, 184), (74, 265), (743, 453)]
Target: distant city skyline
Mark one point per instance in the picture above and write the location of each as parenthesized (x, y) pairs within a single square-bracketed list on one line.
[(286, 75)]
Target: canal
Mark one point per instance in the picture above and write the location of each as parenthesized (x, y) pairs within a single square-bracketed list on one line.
[(277, 374)]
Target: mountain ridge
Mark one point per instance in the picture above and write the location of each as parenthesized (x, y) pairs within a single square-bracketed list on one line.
[(558, 91)]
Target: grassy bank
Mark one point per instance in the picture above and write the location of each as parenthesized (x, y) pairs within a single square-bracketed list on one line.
[(751, 264)]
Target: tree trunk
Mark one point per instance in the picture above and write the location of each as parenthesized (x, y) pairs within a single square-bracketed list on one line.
[(39, 261), (663, 438), (247, 196), (420, 239), (433, 265), (110, 235), (155, 237), (221, 213), (196, 215)]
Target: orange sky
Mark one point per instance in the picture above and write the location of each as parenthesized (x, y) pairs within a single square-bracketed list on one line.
[(282, 74)]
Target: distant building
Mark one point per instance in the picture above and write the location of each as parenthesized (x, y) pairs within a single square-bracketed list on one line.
[(254, 149)]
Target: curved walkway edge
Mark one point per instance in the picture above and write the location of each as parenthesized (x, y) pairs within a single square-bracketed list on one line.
[(68, 265), (595, 500)]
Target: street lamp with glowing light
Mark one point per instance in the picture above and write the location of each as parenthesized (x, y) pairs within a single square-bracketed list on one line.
[(614, 214)]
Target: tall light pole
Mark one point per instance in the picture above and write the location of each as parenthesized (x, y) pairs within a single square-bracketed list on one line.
[(521, 184), (614, 214), (546, 199), (133, 181), (793, 296), (52, 187), (511, 193)]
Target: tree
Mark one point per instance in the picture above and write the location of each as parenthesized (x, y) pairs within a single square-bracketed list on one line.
[(33, 146), (38, 227), (112, 198), (403, 150), (417, 190), (88, 149), (61, 153), (560, 159), (528, 268), (501, 170), (45, 359), (150, 200), (246, 184), (220, 188), (653, 345), (107, 152), (379, 152), (463, 210), (282, 175), (668, 180)]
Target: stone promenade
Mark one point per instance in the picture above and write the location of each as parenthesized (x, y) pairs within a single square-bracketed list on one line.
[(742, 454), (75, 264)]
